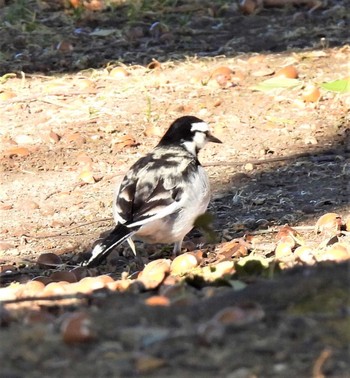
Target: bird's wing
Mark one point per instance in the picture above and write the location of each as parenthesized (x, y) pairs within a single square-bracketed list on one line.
[(152, 189)]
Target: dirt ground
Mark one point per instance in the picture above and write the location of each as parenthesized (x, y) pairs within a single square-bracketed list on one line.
[(83, 94)]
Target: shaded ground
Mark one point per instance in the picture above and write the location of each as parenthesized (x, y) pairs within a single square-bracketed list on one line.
[(66, 141)]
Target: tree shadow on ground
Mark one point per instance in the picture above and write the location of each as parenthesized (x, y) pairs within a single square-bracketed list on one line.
[(59, 40), (291, 189)]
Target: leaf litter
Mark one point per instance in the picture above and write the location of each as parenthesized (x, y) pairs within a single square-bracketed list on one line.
[(151, 314)]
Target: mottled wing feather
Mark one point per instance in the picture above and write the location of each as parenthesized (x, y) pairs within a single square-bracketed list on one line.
[(148, 189)]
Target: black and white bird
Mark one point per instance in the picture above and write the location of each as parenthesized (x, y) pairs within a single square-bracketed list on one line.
[(163, 192)]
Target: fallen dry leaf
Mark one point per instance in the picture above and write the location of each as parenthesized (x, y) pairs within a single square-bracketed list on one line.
[(85, 84), (305, 255), (5, 246), (119, 72), (154, 65), (330, 222), (239, 315), (64, 46), (311, 94), (338, 252), (183, 263), (17, 151), (157, 300), (123, 141), (249, 6), (154, 273), (48, 260), (289, 72), (221, 72), (77, 328), (31, 289), (152, 130), (63, 276), (7, 95), (284, 248)]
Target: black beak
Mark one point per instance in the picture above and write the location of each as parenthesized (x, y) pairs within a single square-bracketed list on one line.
[(212, 138)]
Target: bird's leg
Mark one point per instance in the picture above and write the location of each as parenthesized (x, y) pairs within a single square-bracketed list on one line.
[(132, 245), (177, 248)]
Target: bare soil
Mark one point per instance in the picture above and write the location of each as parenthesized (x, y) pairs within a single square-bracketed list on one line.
[(70, 128)]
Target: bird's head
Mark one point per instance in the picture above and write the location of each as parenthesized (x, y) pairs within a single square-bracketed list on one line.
[(190, 132)]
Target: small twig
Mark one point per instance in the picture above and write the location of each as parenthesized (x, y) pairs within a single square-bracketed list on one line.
[(67, 230), (49, 298), (303, 228), (272, 160), (39, 98), (321, 359), (263, 232)]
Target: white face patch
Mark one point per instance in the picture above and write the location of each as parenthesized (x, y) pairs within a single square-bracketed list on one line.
[(200, 126), (198, 142)]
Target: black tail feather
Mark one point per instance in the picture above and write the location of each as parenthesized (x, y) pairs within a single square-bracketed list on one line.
[(104, 247)]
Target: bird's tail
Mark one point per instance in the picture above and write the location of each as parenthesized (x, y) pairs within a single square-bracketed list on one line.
[(104, 247)]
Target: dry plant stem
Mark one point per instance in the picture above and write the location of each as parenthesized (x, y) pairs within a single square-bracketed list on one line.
[(277, 228), (322, 358), (272, 160), (79, 296), (68, 229), (39, 98)]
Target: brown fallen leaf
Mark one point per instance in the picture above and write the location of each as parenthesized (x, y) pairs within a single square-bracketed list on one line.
[(183, 263), (311, 94), (63, 276), (48, 260), (31, 289), (249, 6), (146, 363), (157, 300), (17, 151), (94, 5), (232, 249), (5, 206), (77, 328), (154, 65), (284, 248), (123, 141), (53, 137), (154, 273), (64, 46), (75, 138), (289, 72), (239, 315), (54, 288)]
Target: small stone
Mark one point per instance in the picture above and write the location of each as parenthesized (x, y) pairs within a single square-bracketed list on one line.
[(249, 167)]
